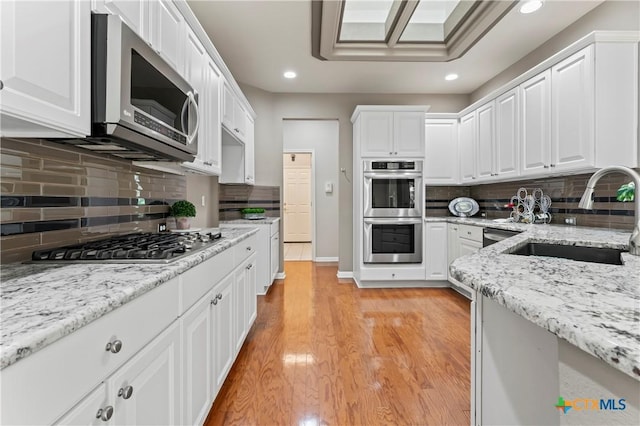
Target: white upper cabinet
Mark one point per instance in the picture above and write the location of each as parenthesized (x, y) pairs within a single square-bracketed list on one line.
[(45, 68), (535, 133), (166, 32), (408, 134), (134, 13), (572, 108), (249, 154), (441, 156), (391, 133), (228, 101), (485, 144), (507, 135), (238, 143), (467, 146)]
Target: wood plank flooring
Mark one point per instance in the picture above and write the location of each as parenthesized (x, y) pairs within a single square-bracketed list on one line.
[(328, 353)]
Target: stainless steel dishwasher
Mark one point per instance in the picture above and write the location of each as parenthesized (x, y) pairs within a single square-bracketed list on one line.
[(492, 235)]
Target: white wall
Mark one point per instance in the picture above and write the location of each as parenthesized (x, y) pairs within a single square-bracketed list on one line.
[(321, 136)]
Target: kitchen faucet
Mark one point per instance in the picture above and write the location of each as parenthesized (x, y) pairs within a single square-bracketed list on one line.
[(587, 200)]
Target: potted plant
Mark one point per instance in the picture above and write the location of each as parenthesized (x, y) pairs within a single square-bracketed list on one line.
[(253, 213), (182, 210)]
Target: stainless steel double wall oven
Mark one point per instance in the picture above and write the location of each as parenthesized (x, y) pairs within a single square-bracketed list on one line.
[(392, 211)]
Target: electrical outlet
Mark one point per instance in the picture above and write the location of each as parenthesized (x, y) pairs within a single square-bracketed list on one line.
[(570, 220), (162, 227)]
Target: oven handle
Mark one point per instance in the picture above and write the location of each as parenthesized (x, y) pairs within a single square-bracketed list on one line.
[(392, 220), (399, 175)]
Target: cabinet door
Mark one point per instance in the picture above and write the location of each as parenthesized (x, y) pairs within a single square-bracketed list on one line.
[(377, 134), (195, 61), (536, 124), (572, 106), (240, 307), (153, 376), (466, 144), (466, 246), (485, 143), (251, 307), (86, 412), (211, 120), (166, 32), (249, 151), (239, 120), (45, 66), (227, 106), (452, 244), (507, 134), (408, 134), (134, 13), (222, 331), (441, 157), (436, 251), (197, 361), (275, 256)]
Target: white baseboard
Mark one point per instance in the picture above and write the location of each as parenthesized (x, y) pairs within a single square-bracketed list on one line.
[(281, 276), (326, 259), (345, 275)]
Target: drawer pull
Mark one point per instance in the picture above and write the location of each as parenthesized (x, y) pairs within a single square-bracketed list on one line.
[(126, 392), (219, 296), (105, 413), (114, 347), (250, 266), (468, 233), (248, 248), (214, 301)]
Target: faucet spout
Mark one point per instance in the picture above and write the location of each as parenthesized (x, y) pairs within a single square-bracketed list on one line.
[(587, 200)]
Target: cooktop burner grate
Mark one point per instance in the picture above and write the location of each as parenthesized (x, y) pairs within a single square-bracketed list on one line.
[(141, 247)]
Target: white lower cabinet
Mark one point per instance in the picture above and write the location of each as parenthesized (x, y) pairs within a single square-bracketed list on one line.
[(462, 240), (275, 256), (436, 251), (93, 410), (222, 330)]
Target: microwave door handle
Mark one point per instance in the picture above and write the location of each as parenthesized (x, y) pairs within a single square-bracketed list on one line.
[(190, 100)]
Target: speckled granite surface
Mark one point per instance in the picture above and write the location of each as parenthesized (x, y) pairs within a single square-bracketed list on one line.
[(594, 306), (267, 220), (39, 303)]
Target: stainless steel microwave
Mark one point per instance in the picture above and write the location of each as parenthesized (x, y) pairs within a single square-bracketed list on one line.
[(142, 109)]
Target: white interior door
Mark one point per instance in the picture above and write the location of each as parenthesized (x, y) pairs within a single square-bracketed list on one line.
[(297, 197)]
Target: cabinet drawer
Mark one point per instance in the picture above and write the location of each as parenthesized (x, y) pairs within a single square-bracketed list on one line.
[(57, 377), (470, 232), (197, 281), (245, 248)]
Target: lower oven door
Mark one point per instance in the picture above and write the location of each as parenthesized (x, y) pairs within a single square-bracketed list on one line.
[(392, 240)]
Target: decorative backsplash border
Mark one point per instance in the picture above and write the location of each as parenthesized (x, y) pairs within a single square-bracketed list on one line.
[(55, 195), (234, 198), (565, 193)]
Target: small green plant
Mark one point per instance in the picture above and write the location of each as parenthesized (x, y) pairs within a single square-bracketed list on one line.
[(626, 192), (182, 208), (252, 210)]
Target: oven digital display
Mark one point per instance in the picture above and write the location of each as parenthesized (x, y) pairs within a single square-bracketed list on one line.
[(393, 165)]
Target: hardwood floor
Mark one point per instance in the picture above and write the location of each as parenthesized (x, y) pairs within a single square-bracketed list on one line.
[(328, 353)]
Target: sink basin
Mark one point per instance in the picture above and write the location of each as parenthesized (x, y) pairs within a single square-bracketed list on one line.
[(584, 254)]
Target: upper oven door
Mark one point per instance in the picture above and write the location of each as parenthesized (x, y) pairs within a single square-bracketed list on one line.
[(392, 194), (142, 92)]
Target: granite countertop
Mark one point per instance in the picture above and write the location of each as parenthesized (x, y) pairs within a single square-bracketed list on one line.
[(40, 303), (266, 220), (596, 307)]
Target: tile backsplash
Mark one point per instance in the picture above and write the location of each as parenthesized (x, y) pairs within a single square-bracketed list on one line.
[(55, 195), (234, 198), (565, 193)]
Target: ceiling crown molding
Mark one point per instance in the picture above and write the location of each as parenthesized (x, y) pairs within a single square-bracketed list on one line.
[(469, 22)]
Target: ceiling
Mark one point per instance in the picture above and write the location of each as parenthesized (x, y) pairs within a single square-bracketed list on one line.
[(259, 40)]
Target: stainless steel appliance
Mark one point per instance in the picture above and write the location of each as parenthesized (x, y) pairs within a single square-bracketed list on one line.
[(491, 235), (392, 208), (163, 247), (392, 188), (142, 109), (393, 240)]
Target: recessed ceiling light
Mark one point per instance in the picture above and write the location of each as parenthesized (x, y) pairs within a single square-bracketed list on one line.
[(450, 77), (530, 6), (290, 74)]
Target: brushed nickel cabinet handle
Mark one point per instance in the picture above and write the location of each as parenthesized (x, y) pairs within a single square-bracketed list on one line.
[(114, 347), (105, 413), (126, 392)]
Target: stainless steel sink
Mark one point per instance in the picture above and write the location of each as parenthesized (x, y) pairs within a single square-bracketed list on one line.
[(584, 254)]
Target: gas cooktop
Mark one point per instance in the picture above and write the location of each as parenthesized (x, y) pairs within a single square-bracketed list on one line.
[(132, 248)]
